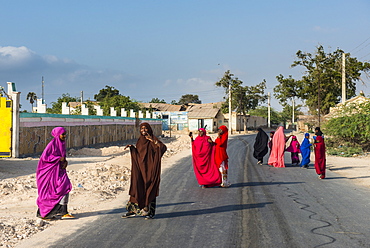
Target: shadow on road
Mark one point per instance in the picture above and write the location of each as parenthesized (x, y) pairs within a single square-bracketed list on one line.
[(226, 208), (247, 184)]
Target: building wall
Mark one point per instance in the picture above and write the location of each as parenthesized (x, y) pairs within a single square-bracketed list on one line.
[(82, 131)]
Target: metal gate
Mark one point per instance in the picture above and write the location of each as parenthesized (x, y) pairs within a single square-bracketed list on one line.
[(5, 127)]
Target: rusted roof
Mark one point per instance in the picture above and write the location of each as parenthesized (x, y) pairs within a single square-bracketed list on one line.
[(207, 110), (163, 107)]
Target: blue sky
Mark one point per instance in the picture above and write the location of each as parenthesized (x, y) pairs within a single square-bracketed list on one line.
[(166, 49)]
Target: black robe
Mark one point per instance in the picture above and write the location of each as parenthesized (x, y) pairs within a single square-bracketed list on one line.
[(260, 145)]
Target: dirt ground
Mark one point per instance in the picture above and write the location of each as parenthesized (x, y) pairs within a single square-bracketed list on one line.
[(100, 179)]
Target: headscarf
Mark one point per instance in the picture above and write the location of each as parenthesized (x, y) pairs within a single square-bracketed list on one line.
[(52, 180), (294, 145), (318, 133), (260, 144), (145, 168), (305, 150), (277, 152), (221, 146)]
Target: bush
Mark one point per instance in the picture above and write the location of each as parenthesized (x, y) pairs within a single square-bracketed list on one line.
[(351, 127)]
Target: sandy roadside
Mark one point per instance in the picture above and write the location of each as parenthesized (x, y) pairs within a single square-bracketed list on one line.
[(100, 181)]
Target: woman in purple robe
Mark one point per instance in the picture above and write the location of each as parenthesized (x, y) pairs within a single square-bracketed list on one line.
[(53, 185)]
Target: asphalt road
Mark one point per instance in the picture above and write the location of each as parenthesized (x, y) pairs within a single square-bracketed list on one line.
[(264, 207)]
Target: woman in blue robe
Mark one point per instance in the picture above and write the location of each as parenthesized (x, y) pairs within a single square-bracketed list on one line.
[(306, 151)]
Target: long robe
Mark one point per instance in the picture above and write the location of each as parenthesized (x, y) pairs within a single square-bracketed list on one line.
[(294, 148), (276, 158), (260, 145), (205, 169), (220, 148), (51, 179), (306, 150), (320, 157), (145, 169)]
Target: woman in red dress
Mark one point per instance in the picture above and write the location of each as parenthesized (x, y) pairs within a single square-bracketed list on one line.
[(221, 157), (205, 168), (320, 157)]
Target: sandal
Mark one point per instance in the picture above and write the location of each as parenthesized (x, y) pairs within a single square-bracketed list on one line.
[(128, 214), (67, 216)]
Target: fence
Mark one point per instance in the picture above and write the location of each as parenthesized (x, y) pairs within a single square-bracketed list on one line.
[(82, 131)]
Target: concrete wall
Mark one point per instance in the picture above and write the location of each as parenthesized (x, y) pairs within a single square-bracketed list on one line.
[(82, 131)]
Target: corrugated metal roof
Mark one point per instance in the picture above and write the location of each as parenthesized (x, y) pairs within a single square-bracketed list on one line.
[(208, 110), (163, 107)]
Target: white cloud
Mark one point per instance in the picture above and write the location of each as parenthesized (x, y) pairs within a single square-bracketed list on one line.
[(11, 57)]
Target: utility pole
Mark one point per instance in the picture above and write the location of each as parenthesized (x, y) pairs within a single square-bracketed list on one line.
[(42, 90), (293, 103), (230, 114), (82, 99), (268, 110), (343, 77)]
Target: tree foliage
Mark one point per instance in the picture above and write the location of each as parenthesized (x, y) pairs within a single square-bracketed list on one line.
[(118, 102), (263, 112), (243, 98), (56, 107), (287, 112), (189, 98), (108, 91), (31, 96), (110, 97), (288, 88), (156, 100), (351, 125), (320, 86)]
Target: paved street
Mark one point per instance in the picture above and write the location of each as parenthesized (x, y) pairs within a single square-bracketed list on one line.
[(264, 207)]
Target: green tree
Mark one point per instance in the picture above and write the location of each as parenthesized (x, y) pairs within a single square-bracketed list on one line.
[(320, 86), (108, 91), (351, 125), (56, 107), (156, 100), (189, 98), (287, 113), (228, 81), (288, 88), (173, 102), (263, 112), (243, 98), (90, 106), (118, 102), (31, 96)]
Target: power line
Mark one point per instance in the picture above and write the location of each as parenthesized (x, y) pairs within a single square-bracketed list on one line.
[(360, 45), (365, 56)]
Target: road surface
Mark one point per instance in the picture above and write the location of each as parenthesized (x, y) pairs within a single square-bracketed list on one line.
[(264, 207)]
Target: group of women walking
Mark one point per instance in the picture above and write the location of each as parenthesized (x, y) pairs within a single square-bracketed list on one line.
[(277, 144), (210, 163)]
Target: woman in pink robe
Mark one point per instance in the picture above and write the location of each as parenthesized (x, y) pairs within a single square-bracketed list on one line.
[(294, 149), (276, 158), (53, 185), (205, 168)]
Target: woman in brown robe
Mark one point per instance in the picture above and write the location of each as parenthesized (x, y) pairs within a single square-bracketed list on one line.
[(145, 173)]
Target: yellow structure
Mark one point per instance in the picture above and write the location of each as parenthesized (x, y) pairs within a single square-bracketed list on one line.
[(5, 127)]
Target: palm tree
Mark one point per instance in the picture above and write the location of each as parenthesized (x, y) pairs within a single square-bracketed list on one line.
[(32, 97)]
